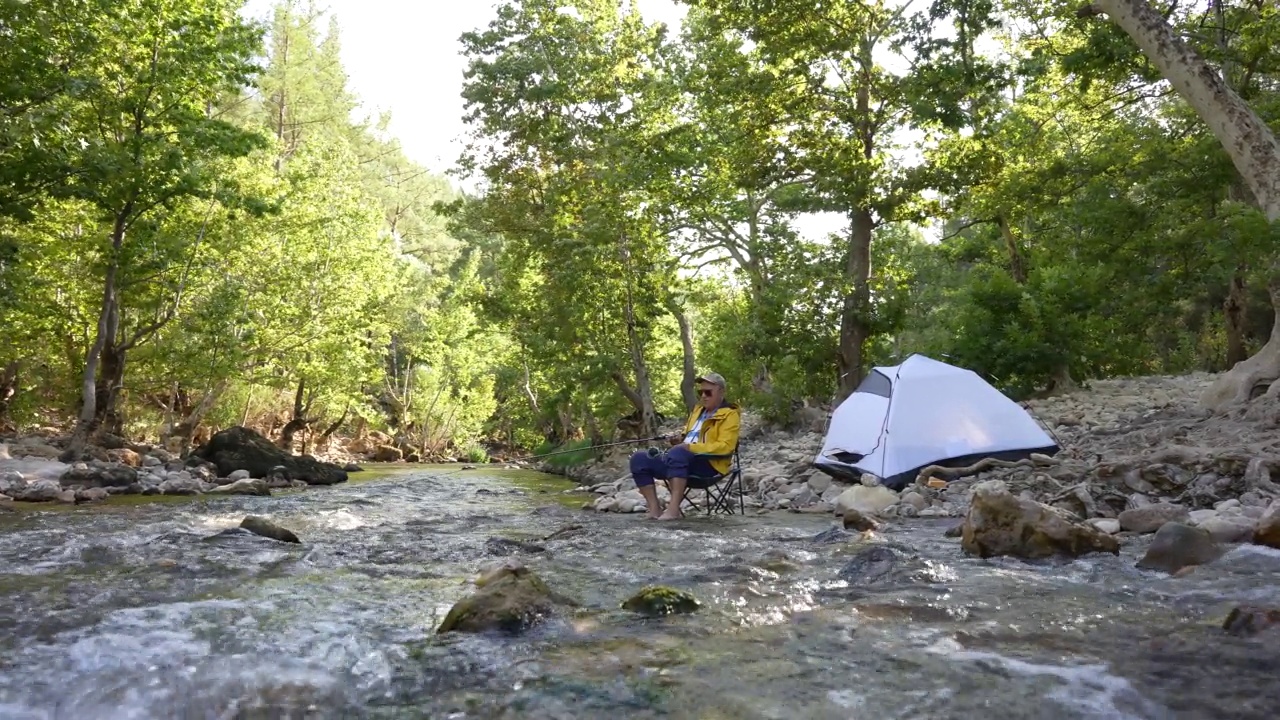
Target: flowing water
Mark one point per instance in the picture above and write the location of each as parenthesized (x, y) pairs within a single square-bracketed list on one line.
[(143, 610)]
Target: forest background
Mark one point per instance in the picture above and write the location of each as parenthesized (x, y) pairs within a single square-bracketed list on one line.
[(200, 228)]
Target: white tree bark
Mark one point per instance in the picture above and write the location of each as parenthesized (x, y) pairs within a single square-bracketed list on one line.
[(1253, 149)]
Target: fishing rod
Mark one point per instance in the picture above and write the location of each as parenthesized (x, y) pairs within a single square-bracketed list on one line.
[(594, 447)]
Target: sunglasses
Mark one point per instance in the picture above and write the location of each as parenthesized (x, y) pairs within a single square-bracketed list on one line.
[(706, 392)]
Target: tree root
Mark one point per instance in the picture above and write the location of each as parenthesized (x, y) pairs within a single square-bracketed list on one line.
[(951, 473)]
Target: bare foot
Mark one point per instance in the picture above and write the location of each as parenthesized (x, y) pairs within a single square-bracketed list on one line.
[(667, 516)]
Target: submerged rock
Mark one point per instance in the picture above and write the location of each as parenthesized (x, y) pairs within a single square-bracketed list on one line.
[(658, 600), (264, 527), (509, 599), (1177, 546), (886, 564), (999, 523), (854, 520), (239, 448), (507, 546), (1247, 620), (1268, 530)]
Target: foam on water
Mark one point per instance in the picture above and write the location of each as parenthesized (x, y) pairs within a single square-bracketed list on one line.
[(1091, 688)]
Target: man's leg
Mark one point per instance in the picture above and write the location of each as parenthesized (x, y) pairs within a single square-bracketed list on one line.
[(643, 471), (678, 462)]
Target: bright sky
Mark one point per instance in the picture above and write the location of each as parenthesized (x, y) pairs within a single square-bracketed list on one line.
[(404, 56)]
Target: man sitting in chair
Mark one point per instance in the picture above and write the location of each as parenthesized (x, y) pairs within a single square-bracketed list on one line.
[(699, 456)]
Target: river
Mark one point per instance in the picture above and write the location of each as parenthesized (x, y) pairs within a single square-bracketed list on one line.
[(141, 609)]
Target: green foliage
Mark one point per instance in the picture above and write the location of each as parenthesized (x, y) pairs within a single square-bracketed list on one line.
[(246, 248)]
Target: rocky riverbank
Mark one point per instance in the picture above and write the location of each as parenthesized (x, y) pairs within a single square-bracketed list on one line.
[(236, 461), (1136, 454)]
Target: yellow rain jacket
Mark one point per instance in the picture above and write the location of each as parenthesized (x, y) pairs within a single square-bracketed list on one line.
[(718, 435)]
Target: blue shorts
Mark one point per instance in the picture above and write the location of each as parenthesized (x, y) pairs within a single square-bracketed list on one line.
[(677, 462)]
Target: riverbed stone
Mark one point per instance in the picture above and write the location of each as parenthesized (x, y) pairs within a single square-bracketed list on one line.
[(243, 486), (508, 599), (177, 484), (1228, 528), (268, 529), (866, 499), (238, 475), (1000, 523), (1110, 526), (93, 494), (1268, 529), (11, 481), (1149, 518), (855, 520), (659, 600), (1177, 546), (1249, 620), (39, 490)]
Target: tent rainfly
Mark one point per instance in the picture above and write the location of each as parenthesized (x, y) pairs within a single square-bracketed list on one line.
[(923, 412)]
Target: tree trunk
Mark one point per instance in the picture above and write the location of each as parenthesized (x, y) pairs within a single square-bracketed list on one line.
[(8, 389), (299, 419), (323, 442), (1233, 308), (644, 389), (185, 430), (110, 383), (688, 384), (1017, 263), (855, 327), (108, 310), (1252, 147)]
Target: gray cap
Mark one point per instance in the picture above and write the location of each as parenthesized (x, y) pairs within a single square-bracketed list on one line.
[(713, 378)]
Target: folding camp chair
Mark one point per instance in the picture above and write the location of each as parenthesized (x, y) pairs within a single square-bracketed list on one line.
[(719, 489)]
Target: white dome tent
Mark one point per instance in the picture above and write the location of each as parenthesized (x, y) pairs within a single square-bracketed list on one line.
[(923, 412)]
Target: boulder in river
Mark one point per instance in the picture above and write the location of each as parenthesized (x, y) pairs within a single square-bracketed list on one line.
[(1177, 546), (239, 448), (264, 527), (1247, 620), (1268, 530), (509, 598), (1000, 523), (659, 600)]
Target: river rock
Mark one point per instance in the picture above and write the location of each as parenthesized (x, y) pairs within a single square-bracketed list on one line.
[(93, 494), (239, 448), (1247, 620), (1229, 528), (243, 486), (264, 527), (176, 484), (6, 501), (111, 475), (659, 600), (239, 475), (1110, 526), (1268, 530), (999, 523), (125, 456), (38, 490), (1149, 518), (866, 499), (854, 520), (34, 448), (1177, 546), (884, 564), (509, 599), (11, 482)]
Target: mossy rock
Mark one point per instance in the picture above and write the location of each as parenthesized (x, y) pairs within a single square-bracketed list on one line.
[(658, 600), (510, 599)]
